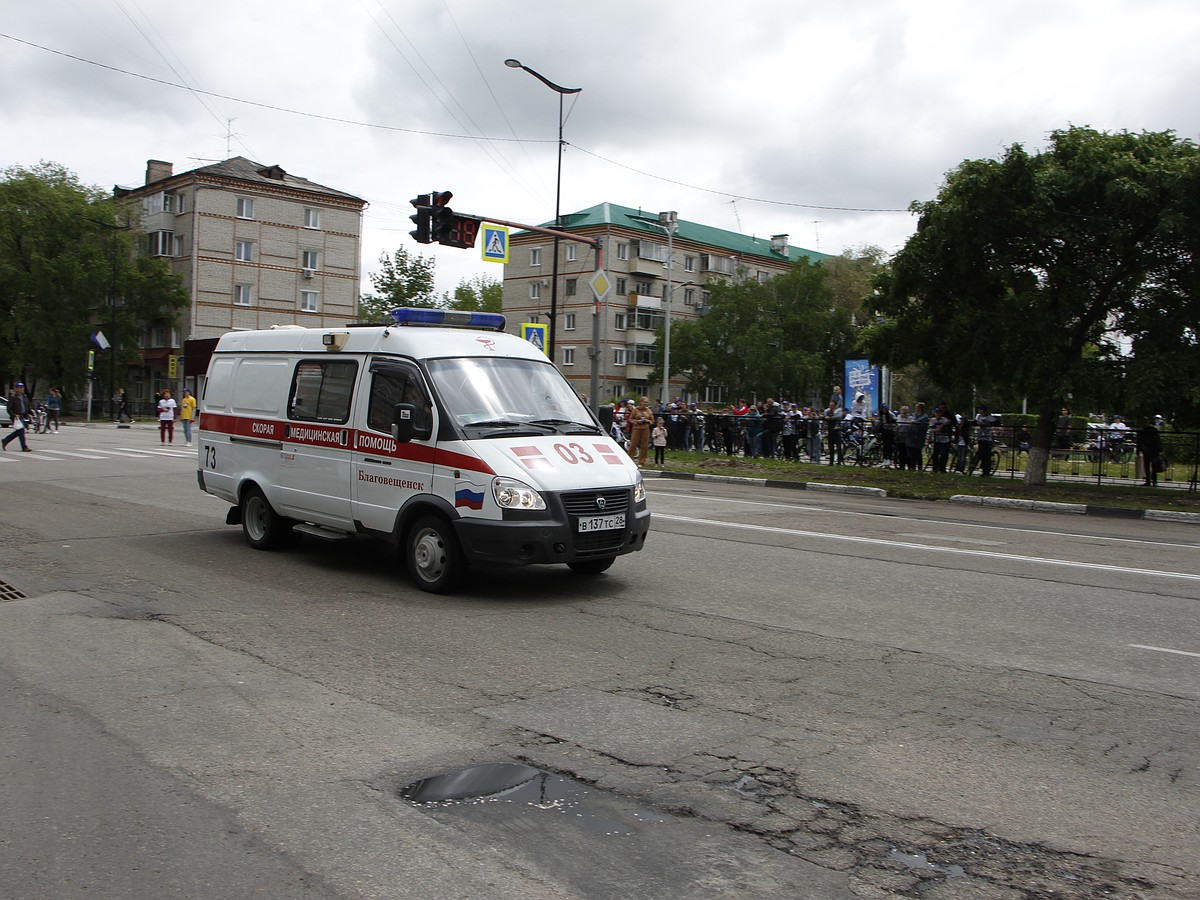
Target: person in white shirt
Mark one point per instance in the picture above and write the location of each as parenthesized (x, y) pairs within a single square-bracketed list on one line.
[(166, 418)]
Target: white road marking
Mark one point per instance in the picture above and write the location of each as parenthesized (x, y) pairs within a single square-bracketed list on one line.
[(897, 518), (1164, 650), (905, 545), (68, 453)]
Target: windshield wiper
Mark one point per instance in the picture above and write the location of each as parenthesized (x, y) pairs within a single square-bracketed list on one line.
[(589, 428), (506, 423)]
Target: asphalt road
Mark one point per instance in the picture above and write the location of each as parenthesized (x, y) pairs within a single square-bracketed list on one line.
[(787, 694)]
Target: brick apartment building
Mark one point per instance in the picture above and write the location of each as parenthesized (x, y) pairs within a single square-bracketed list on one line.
[(254, 246), (634, 248)]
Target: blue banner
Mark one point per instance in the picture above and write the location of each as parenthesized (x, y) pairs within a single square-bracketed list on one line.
[(862, 378)]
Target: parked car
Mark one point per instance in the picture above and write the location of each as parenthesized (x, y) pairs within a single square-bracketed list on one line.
[(5, 418)]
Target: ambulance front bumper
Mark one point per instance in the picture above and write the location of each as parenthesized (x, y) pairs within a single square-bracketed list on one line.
[(531, 542)]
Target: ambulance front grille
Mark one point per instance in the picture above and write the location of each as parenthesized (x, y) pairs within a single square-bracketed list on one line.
[(586, 503)]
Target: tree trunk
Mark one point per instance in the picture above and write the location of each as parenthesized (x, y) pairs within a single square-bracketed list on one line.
[(1039, 451)]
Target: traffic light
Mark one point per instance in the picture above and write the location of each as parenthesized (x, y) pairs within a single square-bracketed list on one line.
[(443, 217), (421, 234)]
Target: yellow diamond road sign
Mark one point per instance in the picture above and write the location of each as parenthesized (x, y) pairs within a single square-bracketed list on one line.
[(599, 284)]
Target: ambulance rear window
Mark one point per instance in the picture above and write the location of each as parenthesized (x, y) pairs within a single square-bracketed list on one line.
[(321, 391)]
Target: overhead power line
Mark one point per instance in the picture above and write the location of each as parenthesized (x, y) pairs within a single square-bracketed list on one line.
[(467, 137)]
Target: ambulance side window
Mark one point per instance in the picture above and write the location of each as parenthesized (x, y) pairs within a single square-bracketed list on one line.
[(321, 391), (392, 386)]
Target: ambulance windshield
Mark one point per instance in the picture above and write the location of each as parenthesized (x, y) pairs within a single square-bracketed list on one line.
[(499, 393)]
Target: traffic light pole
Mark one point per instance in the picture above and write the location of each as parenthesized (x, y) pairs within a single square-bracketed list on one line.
[(460, 229)]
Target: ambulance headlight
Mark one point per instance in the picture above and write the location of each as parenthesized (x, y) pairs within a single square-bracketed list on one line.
[(513, 494), (639, 491)]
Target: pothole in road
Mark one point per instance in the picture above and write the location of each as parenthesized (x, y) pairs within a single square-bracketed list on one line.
[(526, 790)]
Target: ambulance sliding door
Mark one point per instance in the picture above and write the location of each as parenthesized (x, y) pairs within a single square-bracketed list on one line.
[(315, 459)]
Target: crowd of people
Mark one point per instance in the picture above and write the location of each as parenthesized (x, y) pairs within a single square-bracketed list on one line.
[(911, 438)]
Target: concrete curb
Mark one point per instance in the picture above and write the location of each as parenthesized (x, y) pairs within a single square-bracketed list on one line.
[(1078, 509)]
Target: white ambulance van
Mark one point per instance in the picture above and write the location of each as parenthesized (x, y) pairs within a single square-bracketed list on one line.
[(462, 446)]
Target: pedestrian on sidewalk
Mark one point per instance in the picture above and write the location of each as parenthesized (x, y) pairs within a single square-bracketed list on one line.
[(18, 408), (1150, 448), (166, 418), (53, 408), (187, 413)]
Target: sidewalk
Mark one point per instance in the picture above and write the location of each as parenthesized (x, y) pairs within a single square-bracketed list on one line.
[(1081, 509)]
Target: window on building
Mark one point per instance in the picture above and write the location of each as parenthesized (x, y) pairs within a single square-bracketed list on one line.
[(711, 262), (244, 251), (241, 295), (620, 355), (689, 264), (571, 286), (572, 252), (622, 250), (643, 287), (569, 322), (568, 357), (163, 243), (535, 256), (689, 296), (619, 321), (245, 207), (649, 319), (622, 287), (309, 301), (172, 202), (644, 355), (714, 393), (652, 250), (310, 259), (535, 290), (312, 218), (763, 276)]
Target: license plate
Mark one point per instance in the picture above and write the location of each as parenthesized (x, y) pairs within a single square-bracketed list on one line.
[(602, 523)]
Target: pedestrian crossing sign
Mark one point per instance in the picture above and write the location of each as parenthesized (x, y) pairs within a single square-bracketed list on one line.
[(535, 334), (495, 243)]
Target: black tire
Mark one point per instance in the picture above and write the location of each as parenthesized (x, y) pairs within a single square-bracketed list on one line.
[(264, 528), (433, 555), (591, 566)]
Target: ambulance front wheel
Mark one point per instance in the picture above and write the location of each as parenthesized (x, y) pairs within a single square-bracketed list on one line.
[(264, 528), (433, 555), (591, 566)]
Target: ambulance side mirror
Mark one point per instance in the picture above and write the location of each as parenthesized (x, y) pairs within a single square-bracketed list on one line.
[(411, 421)]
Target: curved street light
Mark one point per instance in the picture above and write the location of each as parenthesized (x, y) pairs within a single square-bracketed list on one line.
[(560, 90)]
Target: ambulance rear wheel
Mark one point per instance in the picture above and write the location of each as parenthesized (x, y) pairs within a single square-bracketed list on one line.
[(433, 555), (264, 528), (591, 566)]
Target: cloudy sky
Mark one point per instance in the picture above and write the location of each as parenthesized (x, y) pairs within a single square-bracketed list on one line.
[(822, 121)]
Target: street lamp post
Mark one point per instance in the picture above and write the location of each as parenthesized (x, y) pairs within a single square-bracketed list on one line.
[(669, 223), (560, 90)]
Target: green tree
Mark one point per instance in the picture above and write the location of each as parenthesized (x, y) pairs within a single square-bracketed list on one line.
[(772, 339), (479, 294), (1025, 266), (68, 267), (404, 279)]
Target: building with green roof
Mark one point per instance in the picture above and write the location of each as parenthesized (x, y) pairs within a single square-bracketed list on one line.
[(633, 253)]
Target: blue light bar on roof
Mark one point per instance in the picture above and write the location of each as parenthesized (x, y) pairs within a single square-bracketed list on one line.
[(410, 315)]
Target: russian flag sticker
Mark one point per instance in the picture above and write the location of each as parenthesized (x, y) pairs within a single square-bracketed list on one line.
[(468, 495)]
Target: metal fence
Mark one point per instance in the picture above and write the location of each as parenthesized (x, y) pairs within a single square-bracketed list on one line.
[(1103, 456)]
